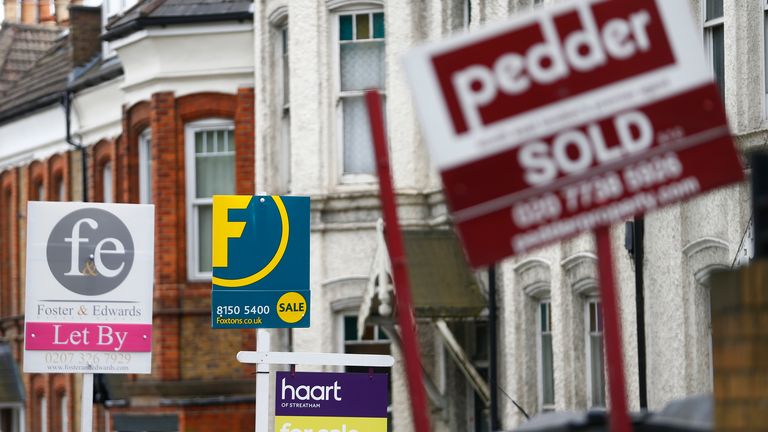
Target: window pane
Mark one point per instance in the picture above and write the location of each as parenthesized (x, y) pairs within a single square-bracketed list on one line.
[(145, 169), (43, 414), (64, 412), (204, 235), (363, 26), (60, 189), (350, 328), (765, 51), (599, 314), (714, 9), (358, 148), (40, 192), (215, 175), (596, 370), (199, 139), (543, 316), (362, 66), (718, 57), (106, 182), (548, 377), (378, 25), (345, 27)]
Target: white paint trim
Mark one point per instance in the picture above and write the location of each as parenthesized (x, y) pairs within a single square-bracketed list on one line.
[(339, 280), (182, 30), (530, 262), (346, 5), (278, 16), (704, 243), (575, 259), (186, 75)]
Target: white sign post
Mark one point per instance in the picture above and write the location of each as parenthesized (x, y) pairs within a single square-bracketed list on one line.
[(89, 291)]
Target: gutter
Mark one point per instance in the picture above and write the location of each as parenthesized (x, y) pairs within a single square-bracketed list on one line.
[(140, 23)]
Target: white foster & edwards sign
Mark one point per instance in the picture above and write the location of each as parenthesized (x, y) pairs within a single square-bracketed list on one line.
[(89, 288)]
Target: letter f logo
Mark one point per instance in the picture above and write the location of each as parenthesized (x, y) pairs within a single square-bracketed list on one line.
[(223, 229)]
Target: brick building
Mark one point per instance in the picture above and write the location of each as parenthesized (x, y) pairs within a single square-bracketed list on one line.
[(162, 109)]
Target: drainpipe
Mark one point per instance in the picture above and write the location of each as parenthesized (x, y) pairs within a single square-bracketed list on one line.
[(639, 252), (493, 348), (67, 102)]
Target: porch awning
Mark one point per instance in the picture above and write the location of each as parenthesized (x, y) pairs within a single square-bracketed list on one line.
[(442, 284)]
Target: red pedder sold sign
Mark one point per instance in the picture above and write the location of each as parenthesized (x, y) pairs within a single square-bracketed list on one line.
[(570, 118)]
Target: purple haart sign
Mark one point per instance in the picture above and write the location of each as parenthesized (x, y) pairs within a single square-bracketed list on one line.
[(331, 402)]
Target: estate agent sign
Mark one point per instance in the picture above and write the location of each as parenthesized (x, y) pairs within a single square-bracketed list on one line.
[(331, 402), (89, 288), (260, 262), (569, 118)]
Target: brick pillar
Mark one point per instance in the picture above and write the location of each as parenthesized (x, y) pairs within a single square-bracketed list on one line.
[(244, 143), (740, 348), (168, 191)]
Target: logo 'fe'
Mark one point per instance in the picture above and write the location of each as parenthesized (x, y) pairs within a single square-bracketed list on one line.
[(519, 70), (90, 251)]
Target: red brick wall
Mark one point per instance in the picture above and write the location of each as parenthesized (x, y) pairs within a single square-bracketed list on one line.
[(231, 417), (9, 244)]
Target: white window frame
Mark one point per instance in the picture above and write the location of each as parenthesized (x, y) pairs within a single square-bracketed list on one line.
[(340, 95), (588, 350), (540, 354), (707, 25), (193, 242), (145, 166)]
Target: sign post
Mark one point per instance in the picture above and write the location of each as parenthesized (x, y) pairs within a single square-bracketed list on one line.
[(89, 291), (568, 119), (419, 407)]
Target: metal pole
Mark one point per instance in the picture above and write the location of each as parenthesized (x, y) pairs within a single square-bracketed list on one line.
[(619, 419), (262, 383), (86, 404), (419, 407), (493, 348)]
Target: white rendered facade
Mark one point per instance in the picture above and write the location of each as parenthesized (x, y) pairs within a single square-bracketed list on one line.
[(683, 243)]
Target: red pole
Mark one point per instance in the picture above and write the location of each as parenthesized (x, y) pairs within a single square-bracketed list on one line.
[(619, 419), (400, 271)]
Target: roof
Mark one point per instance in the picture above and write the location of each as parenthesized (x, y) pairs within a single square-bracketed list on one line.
[(149, 13), (21, 46), (11, 388), (42, 84)]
